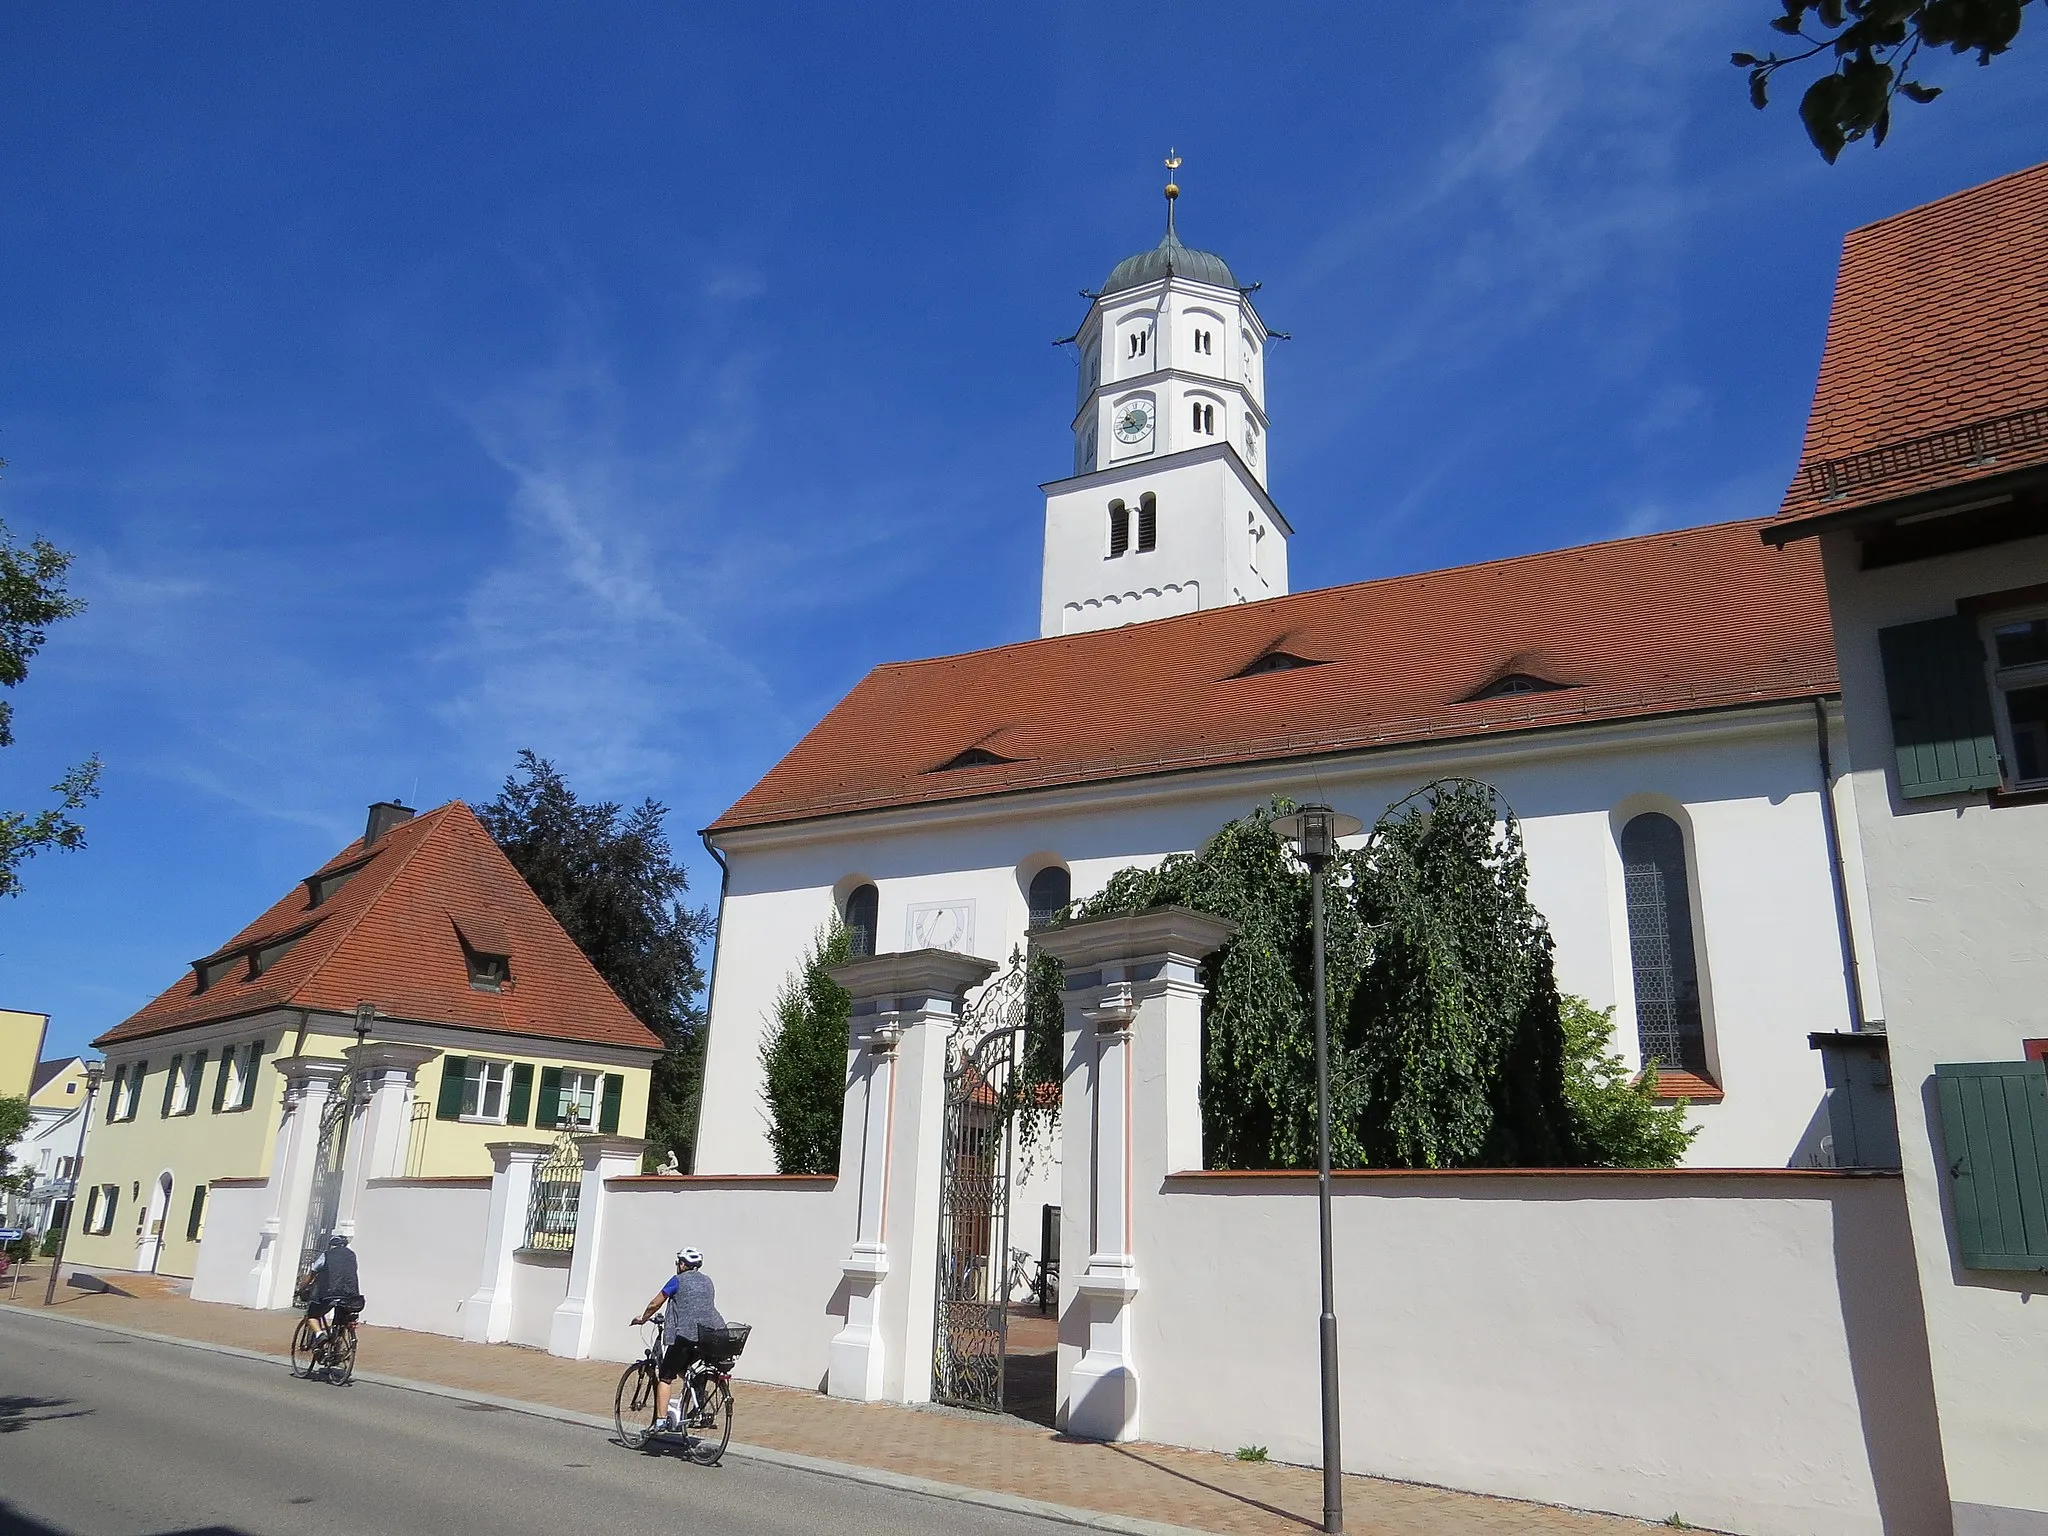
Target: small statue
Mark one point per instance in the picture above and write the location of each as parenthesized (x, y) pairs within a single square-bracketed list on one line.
[(669, 1163)]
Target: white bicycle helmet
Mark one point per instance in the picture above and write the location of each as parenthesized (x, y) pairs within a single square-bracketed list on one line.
[(691, 1257)]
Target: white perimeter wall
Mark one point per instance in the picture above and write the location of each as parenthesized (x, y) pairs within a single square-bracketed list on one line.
[(1745, 784), (419, 1250), (540, 1283), (230, 1241), (773, 1251), (1742, 1350), (1960, 890)]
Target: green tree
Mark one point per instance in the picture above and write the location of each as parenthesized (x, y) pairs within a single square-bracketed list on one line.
[(610, 877), (32, 598), (1870, 46), (1621, 1121), (803, 1058), (14, 1119)]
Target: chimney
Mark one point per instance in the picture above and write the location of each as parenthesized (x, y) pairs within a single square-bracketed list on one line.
[(384, 815)]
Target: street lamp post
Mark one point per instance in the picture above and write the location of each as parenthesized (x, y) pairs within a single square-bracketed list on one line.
[(93, 1072), (1314, 830)]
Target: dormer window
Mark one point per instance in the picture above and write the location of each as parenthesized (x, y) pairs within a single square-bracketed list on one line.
[(486, 950), (320, 888), (973, 757), (215, 968), (487, 972), (1514, 683), (264, 956), (1277, 661)]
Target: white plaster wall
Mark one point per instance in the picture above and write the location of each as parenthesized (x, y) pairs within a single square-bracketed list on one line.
[(1747, 781), (230, 1241), (419, 1247), (773, 1251), (539, 1285), (1731, 1349), (1958, 891)]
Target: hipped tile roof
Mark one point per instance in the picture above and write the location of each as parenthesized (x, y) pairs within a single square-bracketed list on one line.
[(1937, 352), (390, 936), (1649, 626)]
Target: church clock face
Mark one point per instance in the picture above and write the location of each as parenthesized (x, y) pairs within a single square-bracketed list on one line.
[(1134, 422)]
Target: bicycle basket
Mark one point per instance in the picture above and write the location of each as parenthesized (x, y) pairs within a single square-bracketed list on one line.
[(722, 1346)]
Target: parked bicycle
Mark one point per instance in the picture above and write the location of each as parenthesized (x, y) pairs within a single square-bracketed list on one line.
[(330, 1355), (705, 1392)]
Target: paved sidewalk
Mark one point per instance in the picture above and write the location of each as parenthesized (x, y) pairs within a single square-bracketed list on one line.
[(1146, 1482)]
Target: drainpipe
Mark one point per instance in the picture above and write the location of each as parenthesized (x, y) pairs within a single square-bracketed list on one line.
[(1847, 935), (710, 985)]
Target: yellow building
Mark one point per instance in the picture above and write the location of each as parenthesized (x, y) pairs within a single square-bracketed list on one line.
[(424, 921), (21, 1047)]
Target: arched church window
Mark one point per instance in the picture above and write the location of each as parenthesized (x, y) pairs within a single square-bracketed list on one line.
[(1669, 1026), (1051, 889), (1119, 529), (1204, 344), (1140, 341), (1205, 419), (1148, 522), (862, 913)]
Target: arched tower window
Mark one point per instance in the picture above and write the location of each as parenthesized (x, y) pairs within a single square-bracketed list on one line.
[(1148, 522), (1051, 889), (1119, 529), (1660, 940), (862, 912), (1205, 418)]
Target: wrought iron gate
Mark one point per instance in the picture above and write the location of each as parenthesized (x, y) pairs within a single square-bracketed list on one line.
[(330, 1156), (971, 1328)]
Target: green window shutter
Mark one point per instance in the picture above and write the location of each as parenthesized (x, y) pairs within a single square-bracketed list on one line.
[(198, 1081), (249, 1080), (135, 1081), (453, 1070), (108, 1206), (171, 1083), (114, 1093), (522, 1093), (220, 1083), (1940, 706), (550, 1112), (1994, 1136), (608, 1110), (198, 1215)]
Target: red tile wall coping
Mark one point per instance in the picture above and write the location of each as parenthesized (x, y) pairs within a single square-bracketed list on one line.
[(238, 1183), (439, 1181), (728, 1180), (1307, 1176)]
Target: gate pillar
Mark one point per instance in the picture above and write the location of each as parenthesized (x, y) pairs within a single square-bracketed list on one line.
[(309, 1081), (891, 1144), (1130, 1114), (574, 1323), (487, 1315), (384, 1076)]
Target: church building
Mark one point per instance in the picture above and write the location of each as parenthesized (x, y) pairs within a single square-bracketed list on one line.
[(1661, 712)]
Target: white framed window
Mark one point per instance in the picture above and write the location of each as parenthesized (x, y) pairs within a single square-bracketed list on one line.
[(182, 1092), (483, 1090), (99, 1208), (2016, 648), (582, 1092)]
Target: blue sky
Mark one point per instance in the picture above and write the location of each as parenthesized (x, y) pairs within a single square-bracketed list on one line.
[(420, 383)]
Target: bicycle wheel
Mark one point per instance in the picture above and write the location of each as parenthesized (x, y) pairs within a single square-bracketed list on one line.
[(341, 1356), (302, 1348), (707, 1444), (633, 1405)]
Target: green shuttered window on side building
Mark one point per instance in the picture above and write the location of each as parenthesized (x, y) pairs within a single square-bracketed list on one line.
[(1994, 1136), (1940, 705)]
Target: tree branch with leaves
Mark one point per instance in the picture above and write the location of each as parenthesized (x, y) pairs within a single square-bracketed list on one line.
[(1871, 46)]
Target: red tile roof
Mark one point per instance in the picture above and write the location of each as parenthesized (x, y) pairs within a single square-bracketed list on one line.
[(390, 935), (1936, 366), (1649, 626)]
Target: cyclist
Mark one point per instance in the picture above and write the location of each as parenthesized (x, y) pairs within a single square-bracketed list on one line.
[(688, 1302), (332, 1284)]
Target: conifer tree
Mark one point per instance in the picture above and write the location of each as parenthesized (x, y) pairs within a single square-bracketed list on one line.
[(803, 1059)]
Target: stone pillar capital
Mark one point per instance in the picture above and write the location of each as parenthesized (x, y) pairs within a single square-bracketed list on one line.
[(305, 1072), (385, 1057), (599, 1150), (927, 982), (1138, 947), (505, 1153)]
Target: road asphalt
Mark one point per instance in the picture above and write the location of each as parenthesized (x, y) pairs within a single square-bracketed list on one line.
[(102, 1435)]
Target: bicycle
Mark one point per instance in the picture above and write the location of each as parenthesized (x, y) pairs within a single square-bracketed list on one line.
[(330, 1355), (707, 1386)]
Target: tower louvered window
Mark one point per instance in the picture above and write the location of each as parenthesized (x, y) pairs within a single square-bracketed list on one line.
[(1119, 529), (1148, 522)]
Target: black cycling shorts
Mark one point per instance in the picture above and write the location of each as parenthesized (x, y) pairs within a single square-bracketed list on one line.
[(678, 1359)]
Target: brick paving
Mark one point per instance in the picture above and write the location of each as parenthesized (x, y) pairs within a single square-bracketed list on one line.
[(1198, 1489)]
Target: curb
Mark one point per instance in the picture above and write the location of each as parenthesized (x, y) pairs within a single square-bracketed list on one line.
[(874, 1477)]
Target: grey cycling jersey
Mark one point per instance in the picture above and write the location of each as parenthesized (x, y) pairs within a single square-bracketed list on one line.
[(692, 1304)]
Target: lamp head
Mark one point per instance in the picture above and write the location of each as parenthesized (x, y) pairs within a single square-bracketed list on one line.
[(1314, 830), (94, 1072)]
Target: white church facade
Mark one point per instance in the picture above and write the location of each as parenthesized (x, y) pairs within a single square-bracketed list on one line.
[(1662, 713)]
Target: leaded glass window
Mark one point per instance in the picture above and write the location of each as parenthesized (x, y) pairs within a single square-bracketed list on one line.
[(1660, 939), (863, 907)]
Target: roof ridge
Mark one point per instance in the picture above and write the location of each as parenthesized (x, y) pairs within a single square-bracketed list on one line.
[(1214, 614), (1947, 197)]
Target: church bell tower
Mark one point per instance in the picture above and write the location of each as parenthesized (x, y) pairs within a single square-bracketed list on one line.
[(1166, 511)]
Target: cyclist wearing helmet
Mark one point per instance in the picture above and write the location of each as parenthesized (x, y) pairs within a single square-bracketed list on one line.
[(332, 1282), (690, 1300)]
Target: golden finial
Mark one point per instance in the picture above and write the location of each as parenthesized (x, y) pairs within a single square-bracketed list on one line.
[(1172, 165)]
